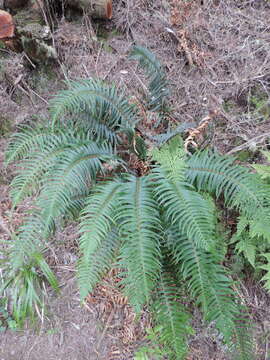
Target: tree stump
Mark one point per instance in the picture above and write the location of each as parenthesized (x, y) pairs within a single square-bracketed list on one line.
[(7, 27), (32, 33)]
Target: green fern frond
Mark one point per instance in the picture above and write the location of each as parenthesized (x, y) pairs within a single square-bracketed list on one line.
[(210, 285), (26, 140), (184, 207), (217, 174), (161, 139), (99, 130), (97, 241), (99, 100), (91, 270), (71, 176), (242, 190), (76, 205), (40, 160), (158, 85), (266, 267), (171, 316), (245, 244), (139, 225), (172, 159), (28, 241)]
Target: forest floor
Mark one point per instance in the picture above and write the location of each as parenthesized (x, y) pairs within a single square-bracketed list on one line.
[(217, 58)]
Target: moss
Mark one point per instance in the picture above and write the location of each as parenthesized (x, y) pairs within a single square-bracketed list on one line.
[(258, 102), (228, 105), (244, 155)]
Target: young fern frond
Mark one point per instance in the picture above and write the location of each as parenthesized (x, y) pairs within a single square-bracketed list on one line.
[(98, 240), (171, 316), (172, 160), (183, 206), (139, 225), (158, 85), (103, 102)]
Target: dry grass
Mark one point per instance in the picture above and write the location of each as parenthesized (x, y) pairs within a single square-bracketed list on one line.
[(216, 56)]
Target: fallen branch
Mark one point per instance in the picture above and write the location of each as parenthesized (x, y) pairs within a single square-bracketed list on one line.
[(256, 140)]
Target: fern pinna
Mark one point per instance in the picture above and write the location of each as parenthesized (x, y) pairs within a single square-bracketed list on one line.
[(159, 228)]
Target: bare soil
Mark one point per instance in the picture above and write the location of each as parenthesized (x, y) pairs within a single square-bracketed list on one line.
[(217, 57)]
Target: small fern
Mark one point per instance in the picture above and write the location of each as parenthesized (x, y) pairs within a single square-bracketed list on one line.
[(129, 220), (158, 86)]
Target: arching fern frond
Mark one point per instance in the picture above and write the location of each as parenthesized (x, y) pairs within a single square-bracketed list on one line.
[(98, 263), (171, 316), (158, 85), (99, 100), (98, 240), (99, 130), (217, 174), (139, 225), (40, 159), (72, 175), (211, 287), (26, 140)]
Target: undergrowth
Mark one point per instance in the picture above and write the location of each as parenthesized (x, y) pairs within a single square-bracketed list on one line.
[(159, 225)]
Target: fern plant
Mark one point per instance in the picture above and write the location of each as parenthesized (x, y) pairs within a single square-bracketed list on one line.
[(160, 228)]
